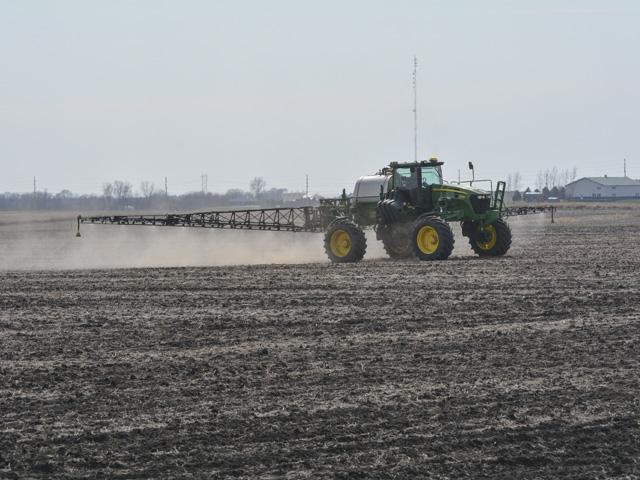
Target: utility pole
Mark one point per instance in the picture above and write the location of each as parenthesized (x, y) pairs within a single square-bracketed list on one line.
[(415, 108), (625, 167), (307, 186), (34, 186), (166, 188), (204, 177)]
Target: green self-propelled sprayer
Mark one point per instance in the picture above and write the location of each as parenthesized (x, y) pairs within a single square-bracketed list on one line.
[(408, 205)]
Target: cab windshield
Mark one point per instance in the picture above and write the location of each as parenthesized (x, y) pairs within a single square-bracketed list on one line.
[(431, 176)]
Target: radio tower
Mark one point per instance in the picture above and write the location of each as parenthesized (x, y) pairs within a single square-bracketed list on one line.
[(415, 108)]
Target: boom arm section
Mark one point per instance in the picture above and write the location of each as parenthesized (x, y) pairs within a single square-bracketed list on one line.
[(516, 211), (296, 219)]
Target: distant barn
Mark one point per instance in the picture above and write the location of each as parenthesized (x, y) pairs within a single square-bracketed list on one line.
[(603, 188)]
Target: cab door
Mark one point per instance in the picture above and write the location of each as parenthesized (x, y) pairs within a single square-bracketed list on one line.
[(407, 181)]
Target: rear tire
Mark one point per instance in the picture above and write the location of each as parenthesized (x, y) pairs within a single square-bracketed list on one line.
[(396, 240), (344, 241), (432, 238), (493, 240)]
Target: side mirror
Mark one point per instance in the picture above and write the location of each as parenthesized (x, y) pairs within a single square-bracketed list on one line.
[(473, 172)]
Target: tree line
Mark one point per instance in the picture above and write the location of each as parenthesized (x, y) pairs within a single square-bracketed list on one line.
[(120, 195), (548, 183)]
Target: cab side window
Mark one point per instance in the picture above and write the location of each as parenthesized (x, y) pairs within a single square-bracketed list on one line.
[(405, 178)]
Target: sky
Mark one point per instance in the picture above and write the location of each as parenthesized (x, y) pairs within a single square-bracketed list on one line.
[(94, 91)]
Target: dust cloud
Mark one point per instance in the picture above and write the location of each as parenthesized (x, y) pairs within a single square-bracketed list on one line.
[(37, 242), (44, 241)]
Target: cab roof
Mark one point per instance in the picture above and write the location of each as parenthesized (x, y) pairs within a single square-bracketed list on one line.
[(432, 162)]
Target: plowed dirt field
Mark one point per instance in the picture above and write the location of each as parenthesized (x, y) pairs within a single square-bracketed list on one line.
[(527, 366)]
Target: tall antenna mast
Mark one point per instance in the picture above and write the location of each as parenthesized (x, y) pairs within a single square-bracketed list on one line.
[(415, 108)]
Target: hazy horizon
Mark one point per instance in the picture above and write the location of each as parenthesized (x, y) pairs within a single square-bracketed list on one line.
[(97, 91)]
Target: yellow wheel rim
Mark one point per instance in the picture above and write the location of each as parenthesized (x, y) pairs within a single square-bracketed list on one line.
[(492, 238), (340, 243), (428, 239)]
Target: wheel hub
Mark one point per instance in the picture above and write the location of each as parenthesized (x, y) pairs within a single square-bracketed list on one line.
[(487, 237), (340, 243), (428, 239)]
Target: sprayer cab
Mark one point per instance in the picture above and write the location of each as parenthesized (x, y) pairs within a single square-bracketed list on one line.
[(416, 175), (417, 188)]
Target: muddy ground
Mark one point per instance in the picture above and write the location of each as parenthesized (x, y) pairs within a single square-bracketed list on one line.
[(521, 367)]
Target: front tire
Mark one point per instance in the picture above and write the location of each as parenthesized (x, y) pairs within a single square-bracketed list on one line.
[(492, 240), (432, 238), (345, 242)]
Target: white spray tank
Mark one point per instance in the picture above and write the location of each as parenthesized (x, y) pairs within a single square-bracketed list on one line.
[(367, 189)]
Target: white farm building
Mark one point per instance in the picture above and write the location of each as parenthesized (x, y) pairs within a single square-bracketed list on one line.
[(603, 188)]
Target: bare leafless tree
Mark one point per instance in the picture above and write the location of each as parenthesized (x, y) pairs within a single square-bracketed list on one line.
[(147, 189), (553, 177), (539, 180), (122, 191), (517, 181), (257, 186), (107, 192)]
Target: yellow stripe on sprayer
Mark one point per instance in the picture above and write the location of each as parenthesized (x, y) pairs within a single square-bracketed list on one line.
[(462, 194)]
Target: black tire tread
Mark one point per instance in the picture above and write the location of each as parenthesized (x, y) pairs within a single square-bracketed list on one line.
[(503, 242), (444, 231), (358, 241), (392, 250), (389, 210)]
